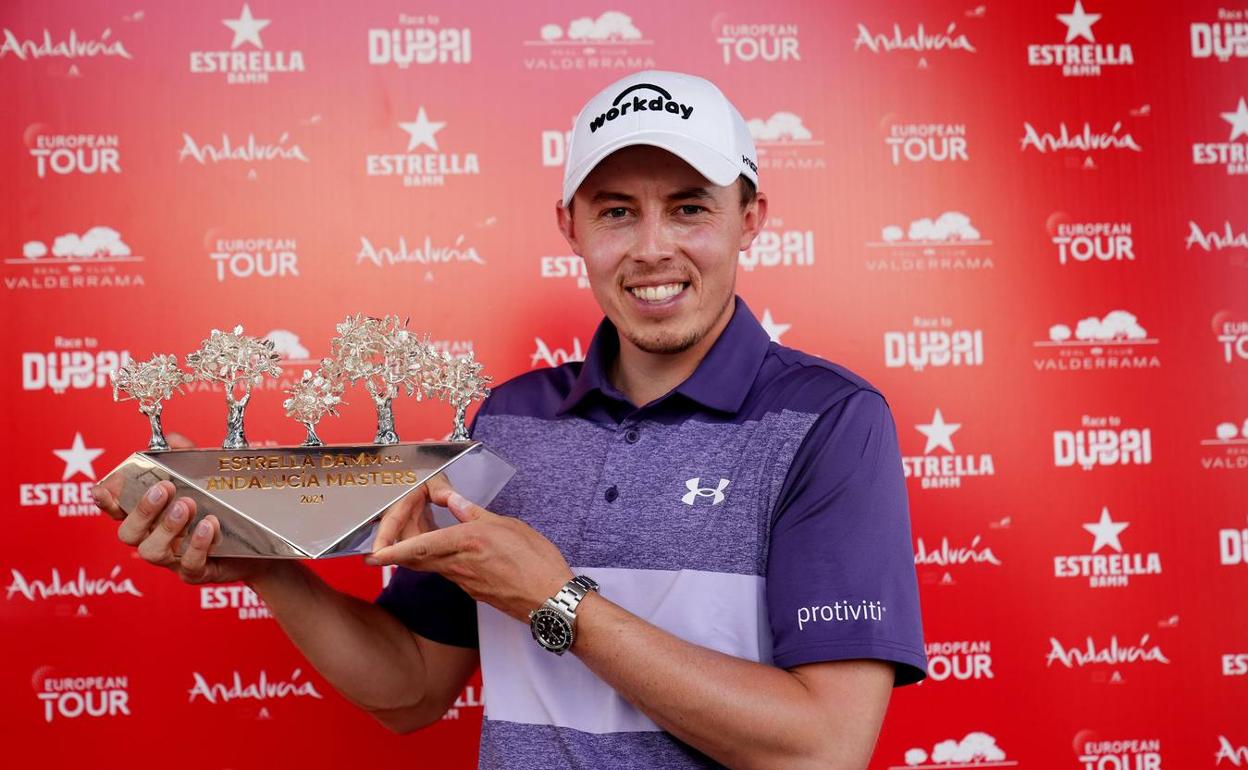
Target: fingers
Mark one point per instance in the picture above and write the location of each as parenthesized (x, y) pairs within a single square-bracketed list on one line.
[(464, 509), (195, 561), (157, 546), (105, 496), (440, 489), (139, 522), (397, 516), (178, 441), (417, 551)]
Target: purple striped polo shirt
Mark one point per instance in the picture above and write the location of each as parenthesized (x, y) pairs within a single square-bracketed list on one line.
[(758, 509)]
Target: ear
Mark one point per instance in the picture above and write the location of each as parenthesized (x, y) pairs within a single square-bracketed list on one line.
[(563, 217), (754, 219)]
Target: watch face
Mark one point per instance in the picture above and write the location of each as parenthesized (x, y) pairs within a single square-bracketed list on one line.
[(551, 629)]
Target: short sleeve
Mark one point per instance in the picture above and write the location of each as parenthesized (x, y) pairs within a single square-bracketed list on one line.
[(840, 568), (432, 606), (429, 604)]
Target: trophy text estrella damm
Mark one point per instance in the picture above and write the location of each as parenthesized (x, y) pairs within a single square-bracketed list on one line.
[(314, 500)]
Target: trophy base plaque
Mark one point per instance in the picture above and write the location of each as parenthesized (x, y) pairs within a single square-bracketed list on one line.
[(307, 502)]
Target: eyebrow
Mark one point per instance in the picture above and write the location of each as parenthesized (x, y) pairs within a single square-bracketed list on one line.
[(688, 193)]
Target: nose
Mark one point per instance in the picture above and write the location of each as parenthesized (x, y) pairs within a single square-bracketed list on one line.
[(654, 242)]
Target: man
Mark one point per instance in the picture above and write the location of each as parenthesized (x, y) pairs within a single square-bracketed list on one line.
[(713, 526)]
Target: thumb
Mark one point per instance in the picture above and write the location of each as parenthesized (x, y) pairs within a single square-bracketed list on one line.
[(464, 509)]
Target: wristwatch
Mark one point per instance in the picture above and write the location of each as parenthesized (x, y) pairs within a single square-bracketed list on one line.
[(554, 623)]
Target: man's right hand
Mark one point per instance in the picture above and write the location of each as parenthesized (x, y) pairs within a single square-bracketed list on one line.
[(158, 525)]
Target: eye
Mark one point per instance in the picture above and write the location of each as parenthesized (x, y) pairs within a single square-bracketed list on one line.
[(618, 212), (690, 209)]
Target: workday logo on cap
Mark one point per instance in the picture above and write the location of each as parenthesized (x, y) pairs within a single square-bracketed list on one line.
[(685, 115)]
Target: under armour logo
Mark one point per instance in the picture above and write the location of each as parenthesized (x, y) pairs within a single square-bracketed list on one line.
[(696, 490)]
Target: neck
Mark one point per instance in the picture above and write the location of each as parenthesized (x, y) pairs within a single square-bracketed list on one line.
[(644, 377)]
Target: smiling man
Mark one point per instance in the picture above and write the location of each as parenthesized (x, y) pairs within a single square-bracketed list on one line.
[(704, 558)]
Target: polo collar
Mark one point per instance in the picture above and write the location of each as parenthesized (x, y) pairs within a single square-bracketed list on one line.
[(722, 380)]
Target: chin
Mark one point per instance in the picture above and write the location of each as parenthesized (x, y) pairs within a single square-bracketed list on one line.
[(665, 342)]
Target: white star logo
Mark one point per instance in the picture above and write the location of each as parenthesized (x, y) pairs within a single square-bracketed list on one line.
[(246, 29), (422, 131), (1078, 23), (939, 433), (1238, 120), (1106, 532), (773, 329), (78, 459)]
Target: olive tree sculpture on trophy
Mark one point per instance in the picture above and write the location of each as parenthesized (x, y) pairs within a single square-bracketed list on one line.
[(314, 396), (387, 358), (460, 382), (237, 362), (150, 383)]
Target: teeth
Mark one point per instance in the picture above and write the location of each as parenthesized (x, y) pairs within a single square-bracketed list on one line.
[(658, 293)]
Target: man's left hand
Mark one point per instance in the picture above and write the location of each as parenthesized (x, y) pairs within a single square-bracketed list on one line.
[(496, 559)]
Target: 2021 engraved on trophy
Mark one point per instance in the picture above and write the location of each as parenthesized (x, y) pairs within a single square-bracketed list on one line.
[(313, 500)]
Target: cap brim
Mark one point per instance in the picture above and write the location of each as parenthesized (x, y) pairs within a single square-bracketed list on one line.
[(717, 169)]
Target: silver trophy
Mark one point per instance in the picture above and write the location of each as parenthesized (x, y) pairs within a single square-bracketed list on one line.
[(237, 362), (150, 383), (313, 500)]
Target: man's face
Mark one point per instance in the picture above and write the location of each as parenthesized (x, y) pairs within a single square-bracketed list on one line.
[(660, 245)]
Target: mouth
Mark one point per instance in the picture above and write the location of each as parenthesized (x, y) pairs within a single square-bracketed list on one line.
[(659, 293)]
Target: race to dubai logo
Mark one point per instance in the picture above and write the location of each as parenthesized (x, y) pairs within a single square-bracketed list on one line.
[(69, 46), (975, 750), (1102, 441), (785, 143), (924, 142), (1232, 336), (247, 152), (937, 562), (247, 62), (1089, 241), (1231, 155), (1227, 238), (933, 342), (1107, 570), (564, 267), (960, 661), (251, 256), (1112, 655), (73, 697), (1117, 754), (98, 258), (1116, 341), (1079, 55), (950, 242), (77, 363), (1232, 546), (917, 40), (60, 154), (1228, 449), (425, 254), (612, 41), (778, 246), (547, 356), (748, 42), (1223, 38), (431, 168), (944, 469), (70, 497), (419, 39)]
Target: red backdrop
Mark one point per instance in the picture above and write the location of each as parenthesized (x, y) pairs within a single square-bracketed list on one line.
[(1025, 222)]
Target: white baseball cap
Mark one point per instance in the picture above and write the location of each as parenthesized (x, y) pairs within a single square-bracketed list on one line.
[(687, 116)]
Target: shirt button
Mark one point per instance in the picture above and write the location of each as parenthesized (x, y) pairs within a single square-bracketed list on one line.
[(632, 435), (612, 493)]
